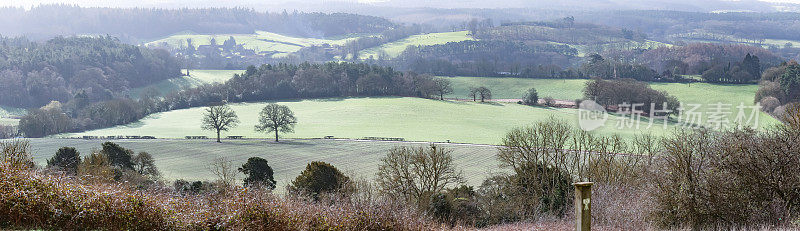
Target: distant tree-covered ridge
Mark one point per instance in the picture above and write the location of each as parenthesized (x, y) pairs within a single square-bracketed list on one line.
[(80, 70), (490, 58), (696, 58), (139, 24)]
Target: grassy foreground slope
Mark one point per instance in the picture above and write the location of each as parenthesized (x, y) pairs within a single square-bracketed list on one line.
[(394, 49), (414, 119), (187, 159)]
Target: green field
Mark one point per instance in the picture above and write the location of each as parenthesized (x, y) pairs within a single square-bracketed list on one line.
[(694, 93), (188, 159), (414, 119), (195, 78), (430, 120), (515, 88), (9, 121), (10, 115), (394, 49), (261, 41)]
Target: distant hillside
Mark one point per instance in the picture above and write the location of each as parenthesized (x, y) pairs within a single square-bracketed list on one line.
[(137, 24)]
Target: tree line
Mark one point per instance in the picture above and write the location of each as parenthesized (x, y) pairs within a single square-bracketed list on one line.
[(266, 82), (660, 24), (489, 58), (697, 58), (779, 89)]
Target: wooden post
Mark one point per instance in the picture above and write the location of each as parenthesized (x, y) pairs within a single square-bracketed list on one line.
[(583, 206)]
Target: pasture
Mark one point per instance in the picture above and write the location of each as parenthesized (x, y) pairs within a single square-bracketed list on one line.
[(394, 49), (9, 121), (261, 41), (10, 115), (188, 159), (706, 94), (515, 88), (414, 119), (195, 78)]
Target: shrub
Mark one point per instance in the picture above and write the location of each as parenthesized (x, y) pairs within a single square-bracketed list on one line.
[(531, 97), (145, 165), (15, 154), (549, 101), (31, 201), (456, 206), (96, 167), (769, 89), (118, 156), (66, 159), (258, 172), (319, 177), (734, 178), (769, 103), (7, 132)]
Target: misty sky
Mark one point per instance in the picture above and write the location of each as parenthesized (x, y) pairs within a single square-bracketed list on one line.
[(325, 5), (221, 2)]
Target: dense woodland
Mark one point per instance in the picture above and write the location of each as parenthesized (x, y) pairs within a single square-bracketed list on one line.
[(80, 70), (696, 58), (138, 25), (489, 58), (740, 26), (560, 31)]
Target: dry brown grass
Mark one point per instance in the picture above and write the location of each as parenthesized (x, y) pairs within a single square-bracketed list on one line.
[(32, 200)]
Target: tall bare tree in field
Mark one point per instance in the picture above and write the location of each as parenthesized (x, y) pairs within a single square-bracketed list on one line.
[(484, 93), (276, 118), (473, 93), (442, 87), (220, 118)]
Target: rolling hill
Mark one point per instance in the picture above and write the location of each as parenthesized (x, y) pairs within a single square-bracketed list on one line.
[(394, 49)]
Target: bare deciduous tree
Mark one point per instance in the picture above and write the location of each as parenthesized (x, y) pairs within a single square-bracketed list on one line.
[(220, 118), (144, 164), (473, 93), (484, 93), (415, 174), (276, 118), (224, 169), (442, 87)]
